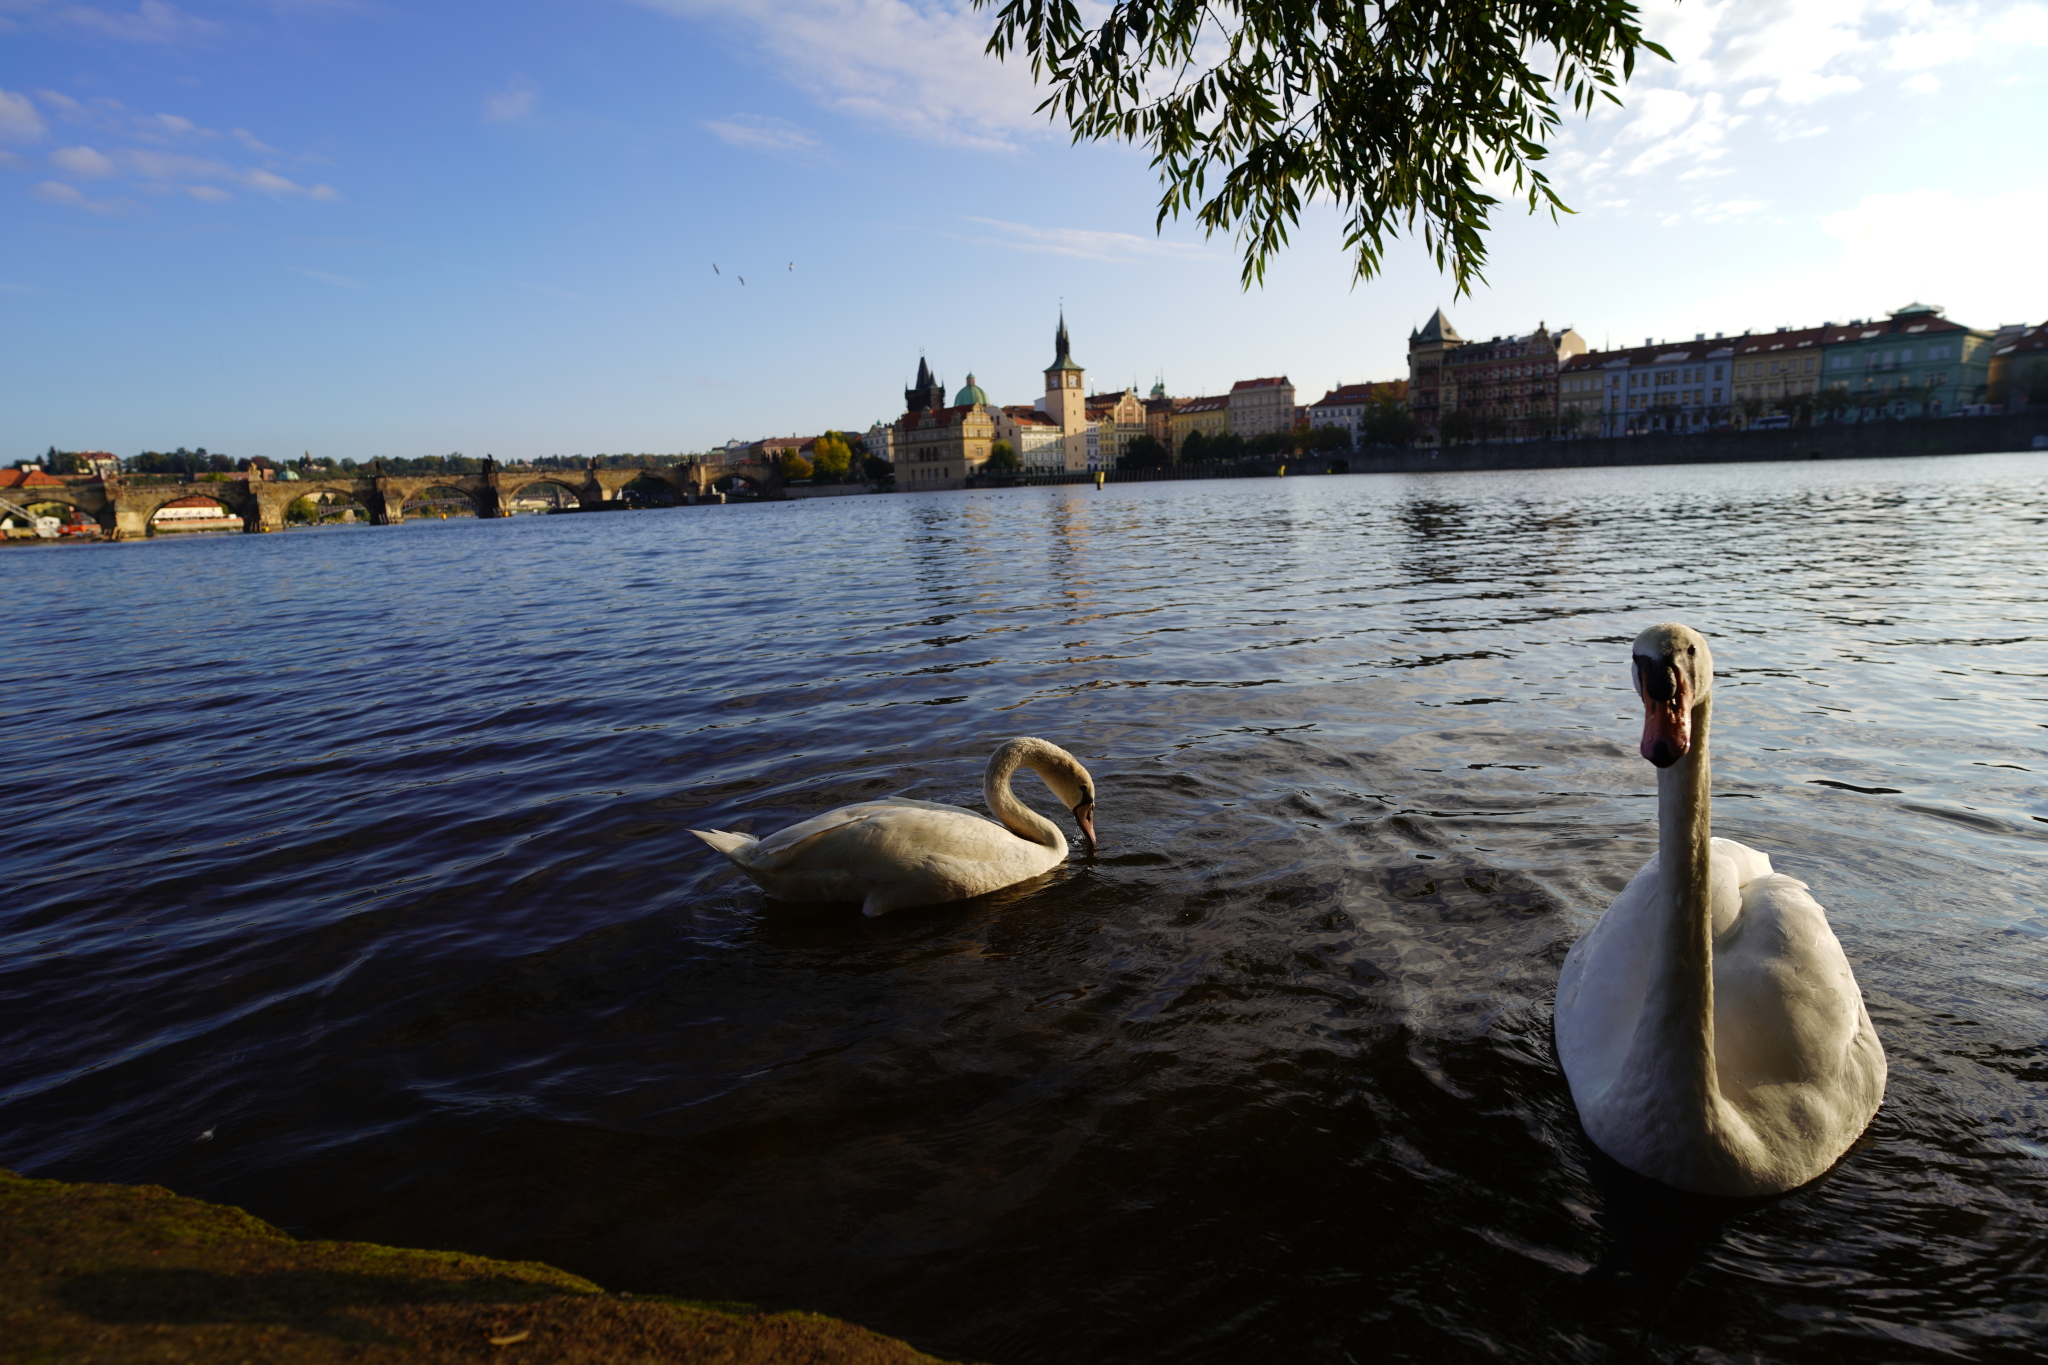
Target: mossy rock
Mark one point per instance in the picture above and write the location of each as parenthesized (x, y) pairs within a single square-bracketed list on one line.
[(136, 1273)]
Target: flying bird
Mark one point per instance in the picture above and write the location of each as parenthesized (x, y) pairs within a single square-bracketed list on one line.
[(792, 265), (715, 270), (742, 279)]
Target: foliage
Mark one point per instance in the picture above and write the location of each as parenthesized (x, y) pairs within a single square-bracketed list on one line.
[(794, 466), (1329, 440), (1388, 422), (1271, 443), (1002, 458), (2034, 383), (1459, 424), (877, 468), (301, 510), (1392, 111), (831, 456), (1145, 452), (179, 461)]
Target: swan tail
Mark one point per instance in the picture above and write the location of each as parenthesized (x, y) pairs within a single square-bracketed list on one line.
[(733, 846)]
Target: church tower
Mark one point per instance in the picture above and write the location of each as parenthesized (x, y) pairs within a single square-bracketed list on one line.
[(1066, 400), (928, 396)]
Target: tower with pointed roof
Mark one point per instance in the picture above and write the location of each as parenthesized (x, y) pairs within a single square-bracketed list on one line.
[(1427, 347), (1066, 399), (928, 395)]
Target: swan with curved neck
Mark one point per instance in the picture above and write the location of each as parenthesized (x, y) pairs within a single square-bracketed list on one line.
[(897, 852), (1710, 1026)]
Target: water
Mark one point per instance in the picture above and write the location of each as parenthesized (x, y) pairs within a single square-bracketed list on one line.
[(364, 850)]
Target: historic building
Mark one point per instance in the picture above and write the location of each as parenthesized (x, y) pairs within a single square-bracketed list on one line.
[(1505, 388), (1040, 444), (1259, 406), (1427, 347), (1346, 406), (1913, 363), (2019, 368), (1210, 416), (1777, 372), (1118, 419), (941, 447)]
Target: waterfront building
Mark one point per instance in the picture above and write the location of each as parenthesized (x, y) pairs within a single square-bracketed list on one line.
[(1506, 387), (1914, 363), (1159, 415), (1427, 347), (1664, 386), (1259, 406), (1346, 407), (2018, 370), (1037, 439), (927, 393), (1778, 372), (1117, 419), (880, 441), (1589, 393), (944, 447), (1210, 416)]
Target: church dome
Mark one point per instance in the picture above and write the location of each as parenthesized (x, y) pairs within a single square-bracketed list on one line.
[(971, 394)]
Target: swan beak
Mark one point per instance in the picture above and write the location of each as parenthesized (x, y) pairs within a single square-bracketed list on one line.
[(1667, 713), (1084, 816)]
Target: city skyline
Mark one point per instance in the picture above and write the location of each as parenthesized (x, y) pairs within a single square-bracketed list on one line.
[(366, 233)]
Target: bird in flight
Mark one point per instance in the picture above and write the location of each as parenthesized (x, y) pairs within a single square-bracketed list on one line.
[(792, 265), (715, 270), (742, 279)]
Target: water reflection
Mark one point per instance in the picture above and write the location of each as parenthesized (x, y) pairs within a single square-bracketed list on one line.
[(1269, 1078)]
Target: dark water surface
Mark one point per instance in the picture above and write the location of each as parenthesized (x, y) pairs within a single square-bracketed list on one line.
[(364, 850)]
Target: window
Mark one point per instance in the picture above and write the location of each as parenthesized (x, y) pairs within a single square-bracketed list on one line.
[(1717, 372)]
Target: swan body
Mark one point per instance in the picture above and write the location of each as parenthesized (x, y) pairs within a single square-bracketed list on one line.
[(1710, 1025), (897, 852)]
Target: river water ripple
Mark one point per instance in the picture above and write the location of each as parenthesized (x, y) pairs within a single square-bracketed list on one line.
[(364, 850)]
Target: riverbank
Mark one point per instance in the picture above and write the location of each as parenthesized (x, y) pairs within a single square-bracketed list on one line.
[(135, 1272)]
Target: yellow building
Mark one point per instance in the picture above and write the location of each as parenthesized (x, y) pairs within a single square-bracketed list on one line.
[(1774, 370), (1210, 416), (942, 447)]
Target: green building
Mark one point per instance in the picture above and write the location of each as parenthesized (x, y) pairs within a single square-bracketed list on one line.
[(1914, 363)]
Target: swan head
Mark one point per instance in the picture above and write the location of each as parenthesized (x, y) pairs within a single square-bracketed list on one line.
[(1673, 672), (1061, 771)]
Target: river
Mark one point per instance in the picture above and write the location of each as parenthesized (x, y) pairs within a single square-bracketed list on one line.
[(348, 880)]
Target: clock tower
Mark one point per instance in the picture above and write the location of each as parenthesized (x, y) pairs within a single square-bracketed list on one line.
[(1066, 400)]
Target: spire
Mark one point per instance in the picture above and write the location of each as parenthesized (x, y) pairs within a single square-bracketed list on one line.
[(1063, 358)]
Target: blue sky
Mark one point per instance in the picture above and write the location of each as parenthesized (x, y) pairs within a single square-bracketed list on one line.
[(356, 228)]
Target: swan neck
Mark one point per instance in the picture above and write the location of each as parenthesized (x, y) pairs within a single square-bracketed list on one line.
[(1014, 816), (1680, 1004)]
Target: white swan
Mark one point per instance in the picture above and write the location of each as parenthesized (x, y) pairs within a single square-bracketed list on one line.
[(1709, 1025), (896, 852)]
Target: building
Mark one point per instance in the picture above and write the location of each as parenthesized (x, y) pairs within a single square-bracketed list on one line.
[(1505, 389), (943, 447), (927, 393), (1914, 363), (1427, 347), (1778, 372), (1347, 405), (1583, 385), (1210, 416), (880, 442), (2018, 372), (1118, 419), (1066, 402), (1159, 415), (1037, 439), (1259, 406)]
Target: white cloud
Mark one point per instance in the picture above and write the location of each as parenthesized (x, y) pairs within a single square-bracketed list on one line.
[(19, 121), (152, 21), (915, 66), (1926, 83), (513, 104), (83, 162), (212, 194), (57, 192), (1087, 243), (758, 133)]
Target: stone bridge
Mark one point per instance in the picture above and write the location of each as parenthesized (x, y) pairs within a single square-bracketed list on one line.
[(123, 507)]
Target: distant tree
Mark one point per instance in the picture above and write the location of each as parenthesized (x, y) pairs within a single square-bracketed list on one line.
[(794, 466), (1194, 448), (1270, 443), (831, 456), (1388, 422), (877, 468), (65, 462), (1002, 458), (2035, 383), (1226, 446), (1145, 452), (1459, 424), (1330, 440)]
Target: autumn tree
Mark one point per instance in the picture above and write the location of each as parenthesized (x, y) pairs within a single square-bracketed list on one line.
[(831, 456), (793, 465), (1002, 458)]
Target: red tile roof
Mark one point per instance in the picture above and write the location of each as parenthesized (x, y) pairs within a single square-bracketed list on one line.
[(1259, 383)]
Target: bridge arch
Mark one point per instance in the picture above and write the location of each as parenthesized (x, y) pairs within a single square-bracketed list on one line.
[(440, 501), (542, 493), (194, 511)]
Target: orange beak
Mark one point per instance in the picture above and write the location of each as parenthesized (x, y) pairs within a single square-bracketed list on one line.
[(1667, 712), (1084, 816)]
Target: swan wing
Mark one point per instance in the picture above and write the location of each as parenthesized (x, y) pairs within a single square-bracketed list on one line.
[(893, 853), (1601, 988)]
